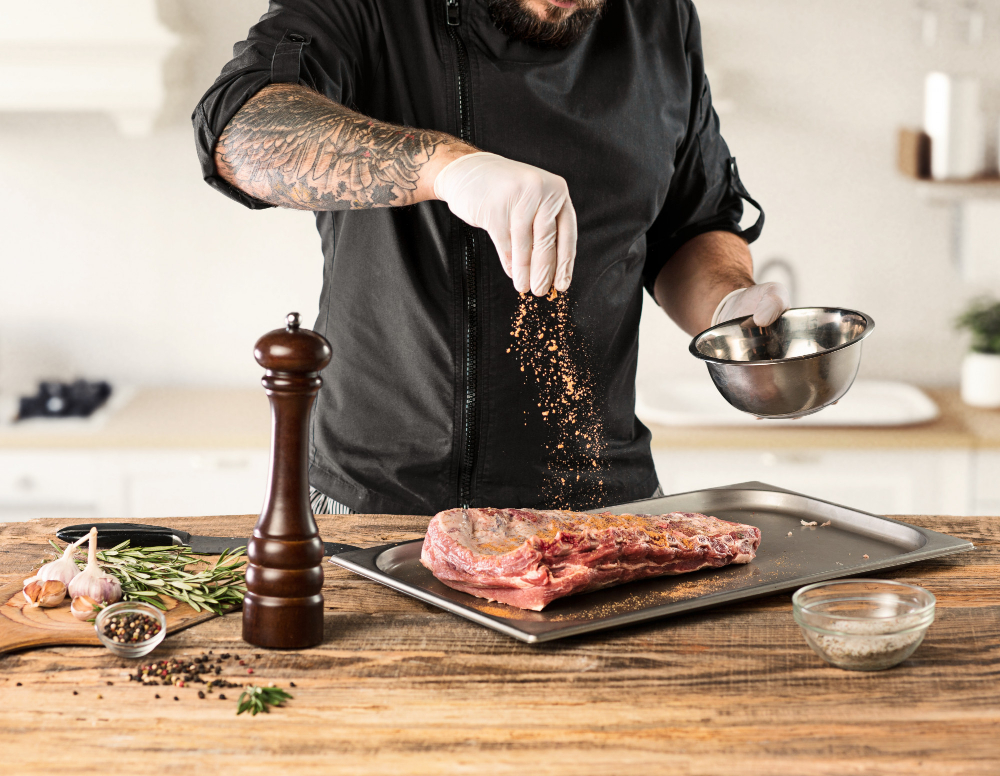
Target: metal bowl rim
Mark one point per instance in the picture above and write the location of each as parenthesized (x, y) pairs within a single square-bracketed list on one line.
[(693, 347)]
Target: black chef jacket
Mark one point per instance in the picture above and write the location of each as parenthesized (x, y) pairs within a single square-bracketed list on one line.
[(422, 406)]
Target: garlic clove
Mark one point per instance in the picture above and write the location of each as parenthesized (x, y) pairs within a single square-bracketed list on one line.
[(44, 593), (83, 608), (32, 591), (64, 569), (93, 582)]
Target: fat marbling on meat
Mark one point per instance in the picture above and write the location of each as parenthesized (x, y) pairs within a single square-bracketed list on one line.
[(528, 558)]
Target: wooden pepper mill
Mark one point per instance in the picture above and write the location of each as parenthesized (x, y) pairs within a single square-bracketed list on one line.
[(283, 606)]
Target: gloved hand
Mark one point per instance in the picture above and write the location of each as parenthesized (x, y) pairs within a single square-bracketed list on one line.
[(525, 210), (765, 301)]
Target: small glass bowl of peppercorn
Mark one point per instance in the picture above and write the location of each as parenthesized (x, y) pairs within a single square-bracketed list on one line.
[(131, 628)]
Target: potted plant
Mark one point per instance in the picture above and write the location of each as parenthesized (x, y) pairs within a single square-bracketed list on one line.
[(981, 367)]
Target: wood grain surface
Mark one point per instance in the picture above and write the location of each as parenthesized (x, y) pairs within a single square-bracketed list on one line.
[(28, 627), (400, 687)]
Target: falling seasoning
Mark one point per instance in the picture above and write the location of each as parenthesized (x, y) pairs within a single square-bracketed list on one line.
[(551, 353), (130, 628)]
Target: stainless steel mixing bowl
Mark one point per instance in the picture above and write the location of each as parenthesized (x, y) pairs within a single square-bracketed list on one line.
[(803, 362)]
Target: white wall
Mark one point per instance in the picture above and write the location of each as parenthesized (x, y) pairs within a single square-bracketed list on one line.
[(118, 261), (820, 89)]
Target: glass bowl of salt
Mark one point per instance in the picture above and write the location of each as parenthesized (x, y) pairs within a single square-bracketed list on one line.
[(863, 624)]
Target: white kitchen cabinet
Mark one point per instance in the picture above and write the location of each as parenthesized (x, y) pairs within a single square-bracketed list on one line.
[(894, 482), (131, 483), (149, 483), (987, 481), (42, 483), (206, 482)]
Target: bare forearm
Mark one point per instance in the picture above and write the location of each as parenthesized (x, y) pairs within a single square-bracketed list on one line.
[(697, 277), (293, 147)]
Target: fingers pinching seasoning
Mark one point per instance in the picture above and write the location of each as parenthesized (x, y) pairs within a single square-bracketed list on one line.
[(526, 211)]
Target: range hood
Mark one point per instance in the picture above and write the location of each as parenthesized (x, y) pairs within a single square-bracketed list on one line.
[(85, 55)]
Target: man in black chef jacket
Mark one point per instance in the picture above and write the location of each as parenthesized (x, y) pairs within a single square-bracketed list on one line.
[(463, 159)]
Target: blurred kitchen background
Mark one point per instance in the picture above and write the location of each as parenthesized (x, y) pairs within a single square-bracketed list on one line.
[(118, 263)]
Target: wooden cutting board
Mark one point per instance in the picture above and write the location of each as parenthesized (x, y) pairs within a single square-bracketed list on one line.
[(26, 627)]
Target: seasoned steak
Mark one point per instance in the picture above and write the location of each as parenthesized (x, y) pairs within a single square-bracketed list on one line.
[(528, 558)]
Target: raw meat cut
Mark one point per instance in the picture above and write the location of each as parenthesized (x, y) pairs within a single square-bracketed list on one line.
[(528, 558)]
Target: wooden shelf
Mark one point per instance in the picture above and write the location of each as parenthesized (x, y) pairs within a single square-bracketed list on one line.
[(959, 191)]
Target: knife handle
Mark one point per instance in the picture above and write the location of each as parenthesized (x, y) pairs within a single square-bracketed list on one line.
[(138, 534)]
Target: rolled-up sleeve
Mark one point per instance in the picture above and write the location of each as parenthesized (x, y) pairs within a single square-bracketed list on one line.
[(328, 46), (705, 193)]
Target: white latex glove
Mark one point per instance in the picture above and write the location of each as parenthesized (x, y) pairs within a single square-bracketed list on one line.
[(764, 301), (525, 210)]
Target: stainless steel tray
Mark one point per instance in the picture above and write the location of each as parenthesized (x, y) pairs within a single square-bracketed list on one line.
[(784, 562)]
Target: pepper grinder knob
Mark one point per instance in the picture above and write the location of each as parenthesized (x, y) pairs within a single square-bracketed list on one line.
[(283, 605)]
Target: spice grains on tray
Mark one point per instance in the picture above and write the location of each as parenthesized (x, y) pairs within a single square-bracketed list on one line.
[(528, 558)]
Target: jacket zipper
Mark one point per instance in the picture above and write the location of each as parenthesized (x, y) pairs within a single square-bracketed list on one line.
[(470, 442)]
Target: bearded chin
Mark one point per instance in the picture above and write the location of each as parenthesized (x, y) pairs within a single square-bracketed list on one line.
[(558, 31)]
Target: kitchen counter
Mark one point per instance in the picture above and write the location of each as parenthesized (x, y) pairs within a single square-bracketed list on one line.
[(958, 427), (401, 687), (158, 418), (239, 418)]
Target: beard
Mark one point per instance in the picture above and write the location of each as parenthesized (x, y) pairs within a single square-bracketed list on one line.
[(560, 28)]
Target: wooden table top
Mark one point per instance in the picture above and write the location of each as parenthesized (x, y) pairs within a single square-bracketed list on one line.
[(400, 687)]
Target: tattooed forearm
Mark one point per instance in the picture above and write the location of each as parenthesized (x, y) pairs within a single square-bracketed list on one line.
[(292, 147)]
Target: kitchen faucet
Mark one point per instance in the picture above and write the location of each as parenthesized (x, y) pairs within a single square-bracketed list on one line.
[(782, 271)]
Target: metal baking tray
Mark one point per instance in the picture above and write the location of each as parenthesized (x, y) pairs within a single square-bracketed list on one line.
[(790, 555)]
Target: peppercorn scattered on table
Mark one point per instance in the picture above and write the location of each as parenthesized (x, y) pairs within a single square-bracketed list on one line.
[(400, 687)]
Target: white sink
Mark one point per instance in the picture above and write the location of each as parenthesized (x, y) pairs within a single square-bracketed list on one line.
[(693, 402)]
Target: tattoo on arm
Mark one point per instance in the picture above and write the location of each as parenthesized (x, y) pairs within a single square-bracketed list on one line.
[(293, 147)]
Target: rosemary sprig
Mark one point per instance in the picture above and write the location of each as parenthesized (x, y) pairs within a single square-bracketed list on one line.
[(146, 573), (258, 699)]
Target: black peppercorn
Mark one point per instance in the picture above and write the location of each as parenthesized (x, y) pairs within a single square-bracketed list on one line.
[(130, 628)]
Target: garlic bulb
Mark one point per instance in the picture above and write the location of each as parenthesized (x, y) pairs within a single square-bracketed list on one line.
[(83, 608), (45, 593), (93, 582), (63, 570)]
